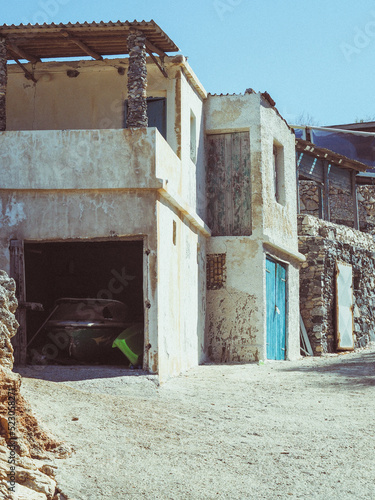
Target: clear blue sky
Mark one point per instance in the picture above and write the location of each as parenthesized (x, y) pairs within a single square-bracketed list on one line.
[(314, 57)]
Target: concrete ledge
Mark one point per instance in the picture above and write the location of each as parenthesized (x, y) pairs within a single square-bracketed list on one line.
[(290, 254)]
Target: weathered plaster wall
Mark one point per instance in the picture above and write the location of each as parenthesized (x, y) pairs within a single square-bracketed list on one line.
[(324, 243), (74, 215), (180, 303), (81, 159), (193, 174), (236, 314), (94, 99), (279, 217)]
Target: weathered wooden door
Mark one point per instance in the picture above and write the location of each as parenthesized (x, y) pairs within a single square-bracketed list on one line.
[(228, 184), (344, 307), (17, 272), (276, 309)]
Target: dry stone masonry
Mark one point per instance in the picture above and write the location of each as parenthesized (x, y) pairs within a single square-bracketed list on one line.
[(137, 81), (341, 205), (3, 83), (30, 477), (324, 243)]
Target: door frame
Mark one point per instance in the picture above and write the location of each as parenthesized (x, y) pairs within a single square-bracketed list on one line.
[(285, 265)]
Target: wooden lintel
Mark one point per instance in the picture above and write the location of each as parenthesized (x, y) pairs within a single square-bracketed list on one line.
[(83, 46), (164, 73), (152, 48), (21, 54), (28, 75)]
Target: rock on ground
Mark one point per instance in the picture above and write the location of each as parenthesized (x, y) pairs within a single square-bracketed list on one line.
[(22, 441)]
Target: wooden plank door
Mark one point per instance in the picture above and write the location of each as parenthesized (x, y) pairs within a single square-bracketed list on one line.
[(276, 309), (344, 307), (17, 272), (228, 184)]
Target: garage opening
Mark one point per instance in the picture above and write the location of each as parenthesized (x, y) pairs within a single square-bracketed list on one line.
[(92, 299)]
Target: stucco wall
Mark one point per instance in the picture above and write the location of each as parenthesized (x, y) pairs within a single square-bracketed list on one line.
[(193, 175), (235, 321), (279, 218), (95, 100), (83, 215), (236, 328), (92, 100), (236, 314), (180, 285)]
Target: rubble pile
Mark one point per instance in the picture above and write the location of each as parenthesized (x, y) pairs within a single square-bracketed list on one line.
[(23, 444)]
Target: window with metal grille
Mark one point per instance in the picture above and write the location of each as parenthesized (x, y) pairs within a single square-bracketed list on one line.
[(216, 271)]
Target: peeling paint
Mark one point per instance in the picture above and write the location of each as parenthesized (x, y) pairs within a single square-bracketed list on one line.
[(12, 213)]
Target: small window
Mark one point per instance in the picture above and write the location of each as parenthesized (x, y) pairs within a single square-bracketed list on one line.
[(156, 114), (279, 172), (216, 271), (193, 137)]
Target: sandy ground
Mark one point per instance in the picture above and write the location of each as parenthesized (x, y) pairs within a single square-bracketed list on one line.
[(300, 429)]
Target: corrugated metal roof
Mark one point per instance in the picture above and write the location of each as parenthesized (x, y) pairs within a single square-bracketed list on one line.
[(45, 41), (307, 147)]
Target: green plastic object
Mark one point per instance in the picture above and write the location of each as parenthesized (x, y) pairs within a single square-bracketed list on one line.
[(130, 342)]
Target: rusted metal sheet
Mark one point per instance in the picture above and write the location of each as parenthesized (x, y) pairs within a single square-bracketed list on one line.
[(344, 307), (17, 272), (228, 184)]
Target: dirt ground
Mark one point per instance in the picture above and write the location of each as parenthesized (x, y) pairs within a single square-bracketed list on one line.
[(301, 429)]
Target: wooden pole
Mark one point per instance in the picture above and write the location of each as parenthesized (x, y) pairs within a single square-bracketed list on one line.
[(355, 200), (3, 83), (326, 204)]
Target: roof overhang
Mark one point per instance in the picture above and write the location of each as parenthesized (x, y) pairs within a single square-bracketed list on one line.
[(342, 161), (54, 41)]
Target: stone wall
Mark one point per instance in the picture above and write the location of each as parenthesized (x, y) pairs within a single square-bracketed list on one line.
[(324, 243), (22, 442), (341, 205)]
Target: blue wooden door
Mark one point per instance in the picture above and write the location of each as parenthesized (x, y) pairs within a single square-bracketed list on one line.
[(276, 309)]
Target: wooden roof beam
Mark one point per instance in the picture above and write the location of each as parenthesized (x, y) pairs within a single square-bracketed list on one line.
[(83, 46), (21, 54), (152, 48), (28, 75), (164, 73)]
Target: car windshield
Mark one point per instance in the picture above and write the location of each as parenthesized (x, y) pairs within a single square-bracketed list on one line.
[(89, 310)]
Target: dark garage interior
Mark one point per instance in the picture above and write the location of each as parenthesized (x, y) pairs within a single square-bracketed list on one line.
[(108, 275)]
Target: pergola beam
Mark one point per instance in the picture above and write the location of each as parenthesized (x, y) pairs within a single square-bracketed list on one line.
[(164, 73), (152, 48), (28, 75), (83, 46), (21, 54)]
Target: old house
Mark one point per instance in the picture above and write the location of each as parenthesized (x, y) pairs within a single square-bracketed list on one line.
[(336, 233), (121, 179)]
